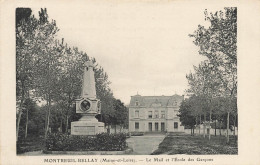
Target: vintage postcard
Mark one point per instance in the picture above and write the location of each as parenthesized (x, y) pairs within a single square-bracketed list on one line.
[(129, 82)]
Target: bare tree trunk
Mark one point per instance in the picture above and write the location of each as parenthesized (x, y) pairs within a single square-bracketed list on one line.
[(47, 118), (215, 127), (228, 127), (220, 126), (49, 114), (67, 123), (235, 128), (20, 112), (200, 124), (209, 123), (45, 124), (115, 128), (67, 114), (18, 123), (191, 131), (108, 130), (204, 126), (61, 124), (196, 123), (26, 124), (27, 117), (235, 125)]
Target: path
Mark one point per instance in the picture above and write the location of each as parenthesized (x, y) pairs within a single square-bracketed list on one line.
[(142, 145), (145, 145), (33, 153)]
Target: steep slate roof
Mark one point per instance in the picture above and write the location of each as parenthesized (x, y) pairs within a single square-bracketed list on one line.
[(147, 101)]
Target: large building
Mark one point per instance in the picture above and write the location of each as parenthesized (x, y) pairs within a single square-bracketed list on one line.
[(155, 114)]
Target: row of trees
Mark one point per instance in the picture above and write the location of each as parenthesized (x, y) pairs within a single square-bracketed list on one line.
[(213, 84), (49, 70)]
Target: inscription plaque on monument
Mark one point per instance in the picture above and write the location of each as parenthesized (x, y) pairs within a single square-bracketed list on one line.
[(89, 130)]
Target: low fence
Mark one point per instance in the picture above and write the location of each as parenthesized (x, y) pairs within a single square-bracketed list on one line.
[(212, 131), (116, 129), (187, 131)]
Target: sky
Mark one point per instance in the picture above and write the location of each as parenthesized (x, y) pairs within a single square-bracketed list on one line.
[(143, 47)]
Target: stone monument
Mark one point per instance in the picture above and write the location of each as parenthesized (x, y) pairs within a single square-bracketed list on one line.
[(88, 105)]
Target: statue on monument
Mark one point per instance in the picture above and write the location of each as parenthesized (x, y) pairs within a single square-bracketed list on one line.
[(88, 105)]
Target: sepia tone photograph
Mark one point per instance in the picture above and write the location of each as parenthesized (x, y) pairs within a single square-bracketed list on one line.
[(71, 100), (120, 82)]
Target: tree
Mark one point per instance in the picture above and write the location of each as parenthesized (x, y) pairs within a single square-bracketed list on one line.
[(104, 93), (198, 108), (54, 71), (218, 113), (22, 14), (29, 108), (48, 62), (204, 84), (186, 116), (120, 113), (218, 44), (70, 81), (25, 31)]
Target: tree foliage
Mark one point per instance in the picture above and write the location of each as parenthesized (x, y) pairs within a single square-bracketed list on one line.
[(54, 70), (186, 114), (216, 78), (218, 44)]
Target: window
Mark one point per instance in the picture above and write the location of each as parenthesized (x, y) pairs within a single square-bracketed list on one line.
[(162, 114), (156, 114), (136, 125), (136, 113), (175, 125), (150, 114)]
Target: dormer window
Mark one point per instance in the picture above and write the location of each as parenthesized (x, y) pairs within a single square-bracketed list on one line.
[(136, 103), (150, 114), (156, 114), (162, 114)]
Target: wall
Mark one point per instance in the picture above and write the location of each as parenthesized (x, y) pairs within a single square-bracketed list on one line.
[(169, 119), (170, 126)]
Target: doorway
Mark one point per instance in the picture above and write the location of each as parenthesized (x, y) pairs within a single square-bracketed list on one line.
[(150, 127), (162, 127), (175, 125), (156, 127)]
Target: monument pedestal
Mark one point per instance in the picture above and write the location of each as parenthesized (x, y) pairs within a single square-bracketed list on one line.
[(87, 125)]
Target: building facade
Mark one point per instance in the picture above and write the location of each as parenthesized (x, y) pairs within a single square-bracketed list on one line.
[(155, 114)]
